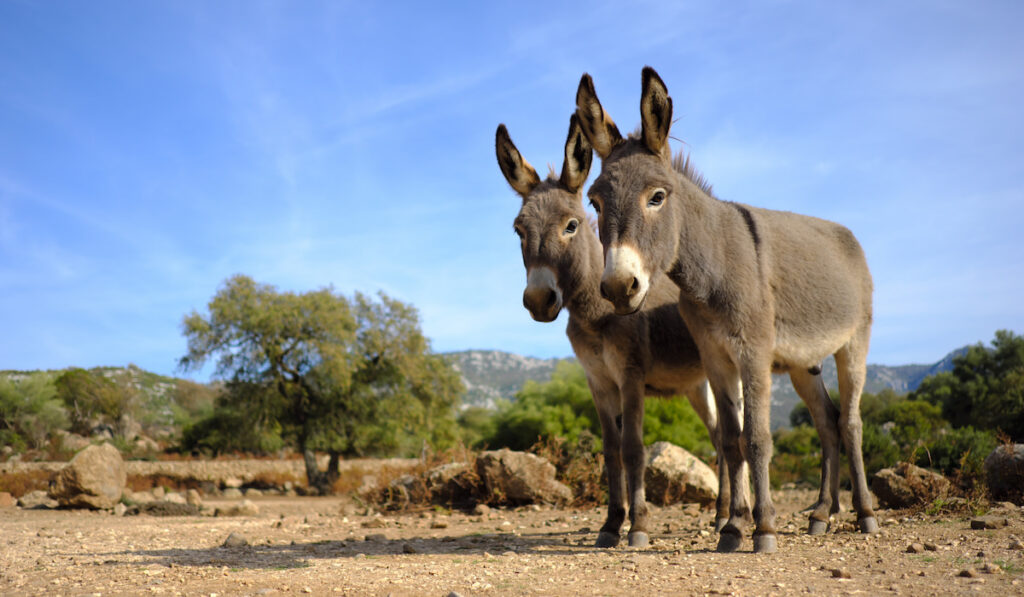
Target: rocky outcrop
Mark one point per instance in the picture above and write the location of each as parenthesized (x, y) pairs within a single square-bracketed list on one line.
[(519, 478), (1004, 472), (673, 475), (94, 478), (906, 485)]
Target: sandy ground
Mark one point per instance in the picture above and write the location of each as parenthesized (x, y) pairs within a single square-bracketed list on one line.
[(325, 546)]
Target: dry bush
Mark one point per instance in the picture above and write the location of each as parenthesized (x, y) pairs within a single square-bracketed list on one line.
[(578, 467), (147, 482), (20, 483)]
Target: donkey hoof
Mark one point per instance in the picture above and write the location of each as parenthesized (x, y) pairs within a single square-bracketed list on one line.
[(720, 524), (606, 539), (729, 542), (868, 524), (817, 527), (639, 539), (766, 544)]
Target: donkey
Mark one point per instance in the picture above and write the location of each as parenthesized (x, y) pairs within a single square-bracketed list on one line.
[(761, 291), (647, 353)]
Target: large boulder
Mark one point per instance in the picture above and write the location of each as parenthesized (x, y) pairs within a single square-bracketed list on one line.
[(673, 475), (94, 478), (1004, 472), (906, 485), (519, 478)]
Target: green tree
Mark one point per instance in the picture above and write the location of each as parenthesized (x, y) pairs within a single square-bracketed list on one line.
[(92, 399), (315, 371), (985, 389), (30, 411)]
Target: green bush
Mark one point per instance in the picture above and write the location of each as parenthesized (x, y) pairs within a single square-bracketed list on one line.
[(960, 452), (797, 457), (30, 412)]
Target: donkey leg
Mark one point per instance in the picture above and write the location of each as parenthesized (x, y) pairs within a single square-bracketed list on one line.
[(703, 404), (852, 368), (812, 391), (758, 439), (634, 458), (727, 396), (608, 412)]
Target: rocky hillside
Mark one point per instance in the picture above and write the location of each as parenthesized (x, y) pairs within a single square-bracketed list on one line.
[(493, 374)]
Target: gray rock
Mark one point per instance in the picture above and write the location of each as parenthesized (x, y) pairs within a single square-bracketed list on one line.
[(673, 476), (915, 548), (908, 485), (1004, 472), (520, 478), (232, 493), (236, 540), (242, 508), (175, 498), (192, 497), (94, 478), (155, 508), (989, 522)]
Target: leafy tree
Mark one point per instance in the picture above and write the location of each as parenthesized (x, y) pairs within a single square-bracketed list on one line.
[(29, 411), (93, 399), (985, 389), (318, 372)]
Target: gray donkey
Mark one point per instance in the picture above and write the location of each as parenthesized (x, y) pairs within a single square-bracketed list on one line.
[(647, 353), (760, 291)]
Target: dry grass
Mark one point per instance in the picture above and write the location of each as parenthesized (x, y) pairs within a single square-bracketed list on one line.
[(18, 484)]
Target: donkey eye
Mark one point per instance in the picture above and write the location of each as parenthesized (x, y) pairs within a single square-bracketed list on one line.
[(518, 231), (596, 206), (570, 228), (656, 199)]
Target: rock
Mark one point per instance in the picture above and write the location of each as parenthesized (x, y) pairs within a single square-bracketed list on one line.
[(7, 500), (991, 568), (242, 508), (907, 485), (1004, 472), (175, 498), (374, 523), (192, 497), (36, 500), (969, 573), (408, 548), (520, 478), (146, 444), (1017, 545), (120, 509), (140, 497), (674, 475), (72, 441), (439, 524), (252, 492), (233, 483), (841, 573), (232, 493), (481, 510), (159, 492), (377, 537), (989, 522), (94, 478), (236, 540), (915, 548), (931, 547)]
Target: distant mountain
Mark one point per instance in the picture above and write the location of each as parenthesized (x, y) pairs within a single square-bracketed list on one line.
[(490, 375), (493, 374)]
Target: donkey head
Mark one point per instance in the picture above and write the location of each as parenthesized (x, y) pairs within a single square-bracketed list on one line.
[(634, 194), (551, 224)]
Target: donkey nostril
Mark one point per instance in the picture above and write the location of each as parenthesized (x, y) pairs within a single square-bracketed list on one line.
[(604, 291), (635, 286), (552, 298)]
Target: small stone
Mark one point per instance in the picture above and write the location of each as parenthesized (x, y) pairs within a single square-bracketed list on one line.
[(840, 573), (992, 568), (7, 500), (968, 573), (989, 522), (439, 524), (931, 547), (377, 537), (307, 590), (454, 594), (232, 493), (120, 509), (481, 510), (408, 548), (359, 556), (915, 548), (192, 498), (1017, 545), (375, 523), (236, 540)]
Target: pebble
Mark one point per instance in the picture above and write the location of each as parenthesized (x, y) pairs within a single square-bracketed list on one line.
[(1017, 545), (376, 537), (989, 522), (841, 573), (931, 547), (992, 568), (408, 548), (915, 548), (439, 524), (969, 573), (481, 510)]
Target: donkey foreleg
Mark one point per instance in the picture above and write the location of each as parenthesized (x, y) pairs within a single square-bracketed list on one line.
[(825, 416), (757, 436), (634, 458), (726, 387), (608, 411)]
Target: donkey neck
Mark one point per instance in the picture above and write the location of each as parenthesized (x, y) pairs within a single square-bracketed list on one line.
[(584, 303)]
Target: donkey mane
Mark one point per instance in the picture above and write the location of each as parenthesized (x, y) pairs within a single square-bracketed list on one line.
[(681, 163)]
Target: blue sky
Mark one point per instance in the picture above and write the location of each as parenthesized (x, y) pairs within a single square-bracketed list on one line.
[(150, 150)]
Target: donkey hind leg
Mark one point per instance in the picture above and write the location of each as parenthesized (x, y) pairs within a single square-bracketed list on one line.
[(608, 413), (758, 438), (726, 387), (851, 366), (634, 458), (811, 390), (703, 402)]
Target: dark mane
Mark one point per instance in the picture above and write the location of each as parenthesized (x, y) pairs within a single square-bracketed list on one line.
[(682, 164)]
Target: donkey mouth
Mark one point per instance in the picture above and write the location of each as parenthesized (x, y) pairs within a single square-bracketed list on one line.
[(629, 305)]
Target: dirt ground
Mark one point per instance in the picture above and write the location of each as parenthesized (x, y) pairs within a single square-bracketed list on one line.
[(323, 546)]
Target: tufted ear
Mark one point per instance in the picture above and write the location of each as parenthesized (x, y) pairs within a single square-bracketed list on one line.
[(578, 157), (518, 172), (655, 111), (595, 123)]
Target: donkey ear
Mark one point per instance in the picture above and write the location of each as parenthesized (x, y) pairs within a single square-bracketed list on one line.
[(655, 111), (597, 126), (518, 172), (578, 157)]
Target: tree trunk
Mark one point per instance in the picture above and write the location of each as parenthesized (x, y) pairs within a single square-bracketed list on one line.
[(333, 468), (316, 480)]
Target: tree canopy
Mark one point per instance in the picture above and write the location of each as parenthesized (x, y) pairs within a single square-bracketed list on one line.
[(320, 372)]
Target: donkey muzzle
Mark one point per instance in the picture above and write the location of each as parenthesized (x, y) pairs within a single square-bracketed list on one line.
[(624, 282), (542, 297)]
